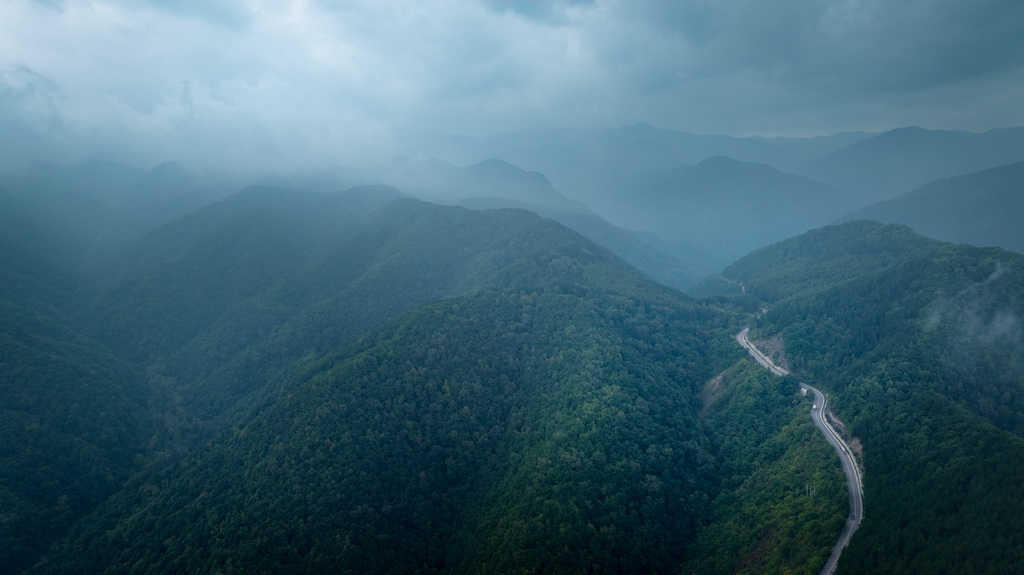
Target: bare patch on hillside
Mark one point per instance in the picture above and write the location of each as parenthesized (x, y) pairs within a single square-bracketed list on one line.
[(710, 392), (775, 348), (853, 442), (714, 389)]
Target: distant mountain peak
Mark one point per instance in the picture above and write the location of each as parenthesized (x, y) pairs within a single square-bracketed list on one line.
[(167, 177), (730, 167), (720, 160), (641, 126), (495, 166), (170, 166), (495, 170), (908, 130)]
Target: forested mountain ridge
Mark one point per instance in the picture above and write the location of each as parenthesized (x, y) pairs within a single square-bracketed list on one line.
[(544, 420), (476, 434), (647, 252), (311, 218), (918, 342), (259, 289), (982, 208)]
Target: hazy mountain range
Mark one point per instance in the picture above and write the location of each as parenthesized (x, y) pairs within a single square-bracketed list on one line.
[(725, 208), (867, 167), (982, 208), (815, 181), (211, 375), (902, 160)]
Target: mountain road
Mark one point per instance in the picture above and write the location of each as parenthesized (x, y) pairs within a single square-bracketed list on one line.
[(853, 479)]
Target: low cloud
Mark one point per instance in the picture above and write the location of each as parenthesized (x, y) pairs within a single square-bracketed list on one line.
[(978, 314)]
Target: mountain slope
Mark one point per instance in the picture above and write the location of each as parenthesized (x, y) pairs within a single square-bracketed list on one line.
[(548, 425), (249, 291), (983, 208), (359, 382), (541, 413), (72, 416), (919, 345), (60, 223), (782, 499), (646, 252)]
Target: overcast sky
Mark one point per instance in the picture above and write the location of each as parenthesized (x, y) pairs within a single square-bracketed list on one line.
[(295, 83)]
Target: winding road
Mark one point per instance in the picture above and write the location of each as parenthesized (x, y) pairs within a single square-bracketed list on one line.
[(853, 483)]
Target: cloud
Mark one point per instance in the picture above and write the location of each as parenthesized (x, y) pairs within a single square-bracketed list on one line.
[(980, 314), (546, 11), (220, 12), (304, 82)]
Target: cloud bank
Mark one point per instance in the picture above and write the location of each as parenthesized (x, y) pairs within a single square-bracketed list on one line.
[(311, 83)]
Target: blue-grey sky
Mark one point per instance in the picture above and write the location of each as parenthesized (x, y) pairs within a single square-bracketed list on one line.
[(315, 82)]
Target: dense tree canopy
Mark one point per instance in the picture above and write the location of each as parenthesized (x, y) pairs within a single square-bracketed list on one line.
[(289, 382), (920, 343)]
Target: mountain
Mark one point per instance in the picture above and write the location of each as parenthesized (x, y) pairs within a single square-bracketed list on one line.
[(725, 208), (51, 219), (494, 183), (444, 182), (898, 161), (644, 251), (587, 164), (363, 382), (224, 298), (539, 412), (918, 345), (983, 208), (810, 148)]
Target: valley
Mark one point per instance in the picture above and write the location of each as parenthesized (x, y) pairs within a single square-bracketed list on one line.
[(851, 469)]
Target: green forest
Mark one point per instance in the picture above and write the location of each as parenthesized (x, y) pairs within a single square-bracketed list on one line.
[(920, 344), (359, 382)]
